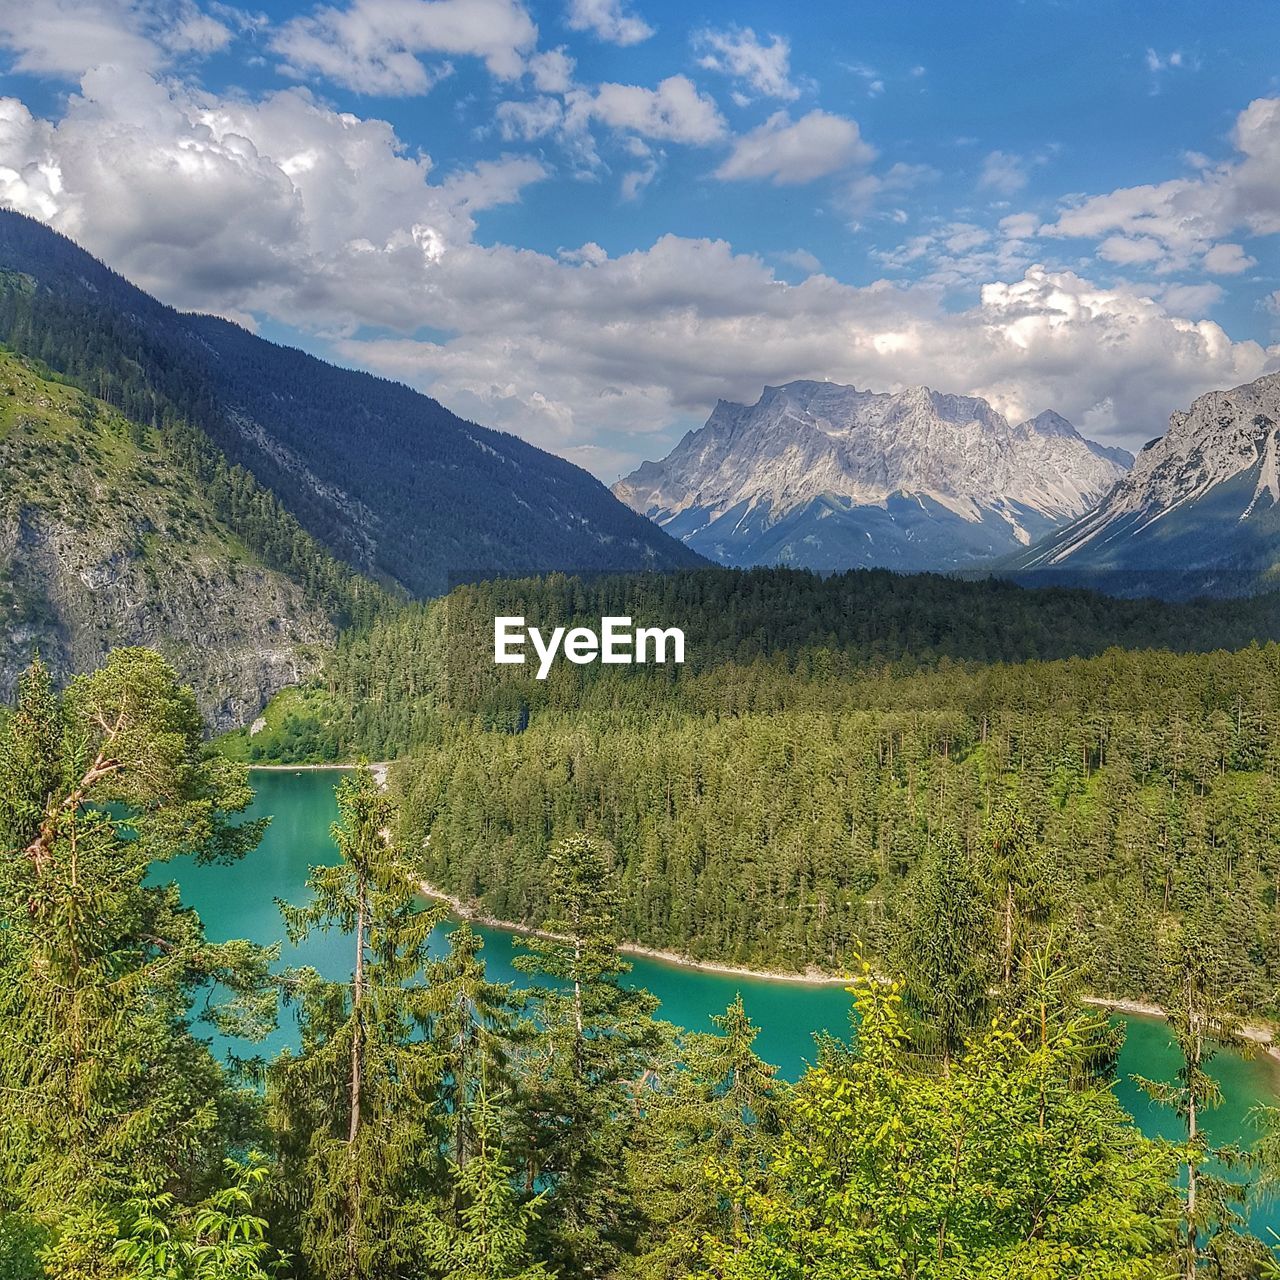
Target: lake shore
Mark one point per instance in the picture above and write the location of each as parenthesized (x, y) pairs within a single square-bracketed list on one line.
[(468, 911), (1255, 1032), (377, 767), (1259, 1034)]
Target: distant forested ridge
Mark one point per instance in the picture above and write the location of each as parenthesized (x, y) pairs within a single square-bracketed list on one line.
[(386, 479), (757, 640), (771, 802)]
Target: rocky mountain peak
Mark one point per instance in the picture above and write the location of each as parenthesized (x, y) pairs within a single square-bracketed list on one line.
[(1204, 496), (824, 447)]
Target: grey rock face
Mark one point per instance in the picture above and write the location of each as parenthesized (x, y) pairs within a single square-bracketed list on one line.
[(913, 479)]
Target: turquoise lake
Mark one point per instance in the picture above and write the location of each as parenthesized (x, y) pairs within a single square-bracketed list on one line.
[(239, 902)]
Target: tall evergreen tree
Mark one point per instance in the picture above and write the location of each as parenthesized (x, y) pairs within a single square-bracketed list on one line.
[(1203, 1019), (355, 1108), (105, 1093), (715, 1101), (943, 945), (475, 1028), (581, 1080)]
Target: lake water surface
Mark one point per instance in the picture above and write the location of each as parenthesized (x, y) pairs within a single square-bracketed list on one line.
[(239, 902)]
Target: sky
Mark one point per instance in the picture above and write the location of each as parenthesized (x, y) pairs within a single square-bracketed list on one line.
[(584, 221)]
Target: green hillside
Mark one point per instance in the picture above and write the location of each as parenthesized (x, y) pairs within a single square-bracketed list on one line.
[(107, 538)]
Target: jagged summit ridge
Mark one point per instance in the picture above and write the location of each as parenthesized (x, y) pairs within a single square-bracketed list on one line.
[(1204, 495), (808, 451)]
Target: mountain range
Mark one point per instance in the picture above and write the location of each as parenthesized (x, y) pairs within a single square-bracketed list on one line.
[(385, 478), (174, 480), (825, 476)]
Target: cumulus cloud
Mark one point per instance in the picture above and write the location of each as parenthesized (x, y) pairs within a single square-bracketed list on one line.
[(608, 20), (281, 205), (675, 111), (765, 69), (1189, 218), (67, 37), (1227, 260), (635, 344), (528, 120), (552, 71), (285, 209), (790, 152), (377, 46)]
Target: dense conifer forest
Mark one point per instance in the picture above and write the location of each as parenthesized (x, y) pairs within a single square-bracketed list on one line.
[(771, 803), (434, 1125)]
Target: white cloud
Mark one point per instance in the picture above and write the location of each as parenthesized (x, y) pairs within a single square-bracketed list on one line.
[(1003, 172), (788, 153), (871, 78), (636, 344), (1163, 61), (959, 255), (608, 20), (377, 46), (1188, 217), (1019, 226), (801, 259), (284, 209), (1191, 300), (675, 111), (68, 37), (552, 71), (764, 68), (1227, 260), (273, 206), (529, 120), (868, 190), (1128, 251)]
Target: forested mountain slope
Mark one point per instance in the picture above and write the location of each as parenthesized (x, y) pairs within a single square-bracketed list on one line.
[(386, 478), (389, 687), (109, 536)]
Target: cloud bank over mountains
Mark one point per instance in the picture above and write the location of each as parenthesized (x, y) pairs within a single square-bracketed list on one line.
[(278, 203)]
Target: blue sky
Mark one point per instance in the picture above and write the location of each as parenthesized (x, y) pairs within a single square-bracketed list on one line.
[(585, 220)]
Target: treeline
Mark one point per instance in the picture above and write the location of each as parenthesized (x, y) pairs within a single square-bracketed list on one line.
[(759, 640), (433, 1125)]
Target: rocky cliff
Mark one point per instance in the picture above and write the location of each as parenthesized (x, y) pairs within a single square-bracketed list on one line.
[(106, 541)]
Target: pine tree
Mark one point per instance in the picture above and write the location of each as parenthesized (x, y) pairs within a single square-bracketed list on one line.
[(489, 1239), (475, 1028), (105, 1094), (1202, 1017), (581, 1079), (714, 1102), (354, 1109), (942, 945)]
